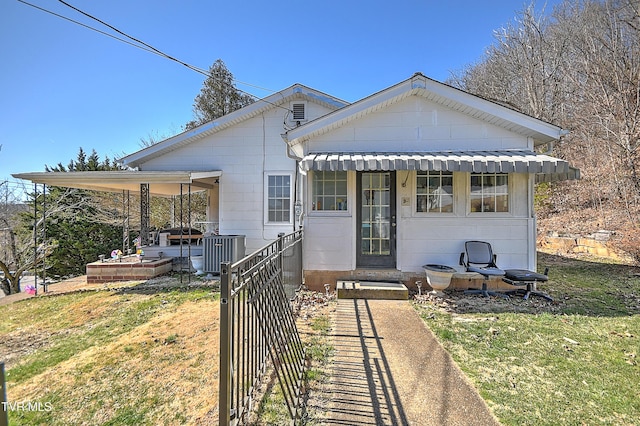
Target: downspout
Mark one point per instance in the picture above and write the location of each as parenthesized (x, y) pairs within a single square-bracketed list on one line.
[(552, 144), (297, 203), (289, 154), (532, 227)]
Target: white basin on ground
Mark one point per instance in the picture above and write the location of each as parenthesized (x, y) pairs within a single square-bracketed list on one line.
[(198, 264), (438, 276)]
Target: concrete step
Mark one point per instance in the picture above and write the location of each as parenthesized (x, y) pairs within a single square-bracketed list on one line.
[(372, 290)]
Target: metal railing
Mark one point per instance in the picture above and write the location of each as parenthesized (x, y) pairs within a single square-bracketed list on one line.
[(257, 325), (4, 410)]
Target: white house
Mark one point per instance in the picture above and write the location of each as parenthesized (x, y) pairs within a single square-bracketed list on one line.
[(381, 186)]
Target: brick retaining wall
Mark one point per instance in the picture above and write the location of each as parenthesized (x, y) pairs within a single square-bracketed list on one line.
[(128, 270)]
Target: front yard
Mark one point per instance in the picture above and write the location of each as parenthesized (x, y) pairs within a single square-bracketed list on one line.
[(537, 363), (113, 357), (150, 356)]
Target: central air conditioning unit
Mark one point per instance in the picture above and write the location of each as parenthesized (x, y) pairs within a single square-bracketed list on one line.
[(222, 248)]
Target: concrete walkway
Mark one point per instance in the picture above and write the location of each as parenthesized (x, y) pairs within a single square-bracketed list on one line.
[(389, 370)]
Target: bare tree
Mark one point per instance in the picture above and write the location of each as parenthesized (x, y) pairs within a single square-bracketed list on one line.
[(154, 137), (603, 76), (579, 68), (522, 69), (18, 253)]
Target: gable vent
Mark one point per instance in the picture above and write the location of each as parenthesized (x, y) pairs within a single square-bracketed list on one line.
[(298, 112)]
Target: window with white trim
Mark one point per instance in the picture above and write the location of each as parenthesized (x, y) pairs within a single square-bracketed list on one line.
[(329, 191), (279, 199), (434, 192), (489, 192)]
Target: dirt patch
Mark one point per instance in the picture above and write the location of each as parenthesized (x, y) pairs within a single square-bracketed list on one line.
[(457, 302), (20, 343), (167, 283), (310, 306)]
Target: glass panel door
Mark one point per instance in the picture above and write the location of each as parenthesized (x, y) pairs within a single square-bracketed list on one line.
[(376, 219)]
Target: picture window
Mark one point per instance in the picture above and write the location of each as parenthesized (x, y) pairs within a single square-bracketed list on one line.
[(489, 192), (434, 192), (329, 191)]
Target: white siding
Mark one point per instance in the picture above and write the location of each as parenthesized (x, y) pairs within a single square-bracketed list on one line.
[(248, 151), (330, 241), (441, 241), (244, 153), (415, 124)]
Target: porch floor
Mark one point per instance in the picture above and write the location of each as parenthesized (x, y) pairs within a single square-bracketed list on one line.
[(372, 290), (172, 251)]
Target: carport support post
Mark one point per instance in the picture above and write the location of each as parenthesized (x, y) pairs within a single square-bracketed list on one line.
[(224, 385), (144, 214), (126, 199), (35, 238), (4, 416)]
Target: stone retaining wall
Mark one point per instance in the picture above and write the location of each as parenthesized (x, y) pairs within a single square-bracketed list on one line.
[(596, 244)]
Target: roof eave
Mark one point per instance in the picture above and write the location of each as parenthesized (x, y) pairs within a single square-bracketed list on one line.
[(420, 85), (136, 159)]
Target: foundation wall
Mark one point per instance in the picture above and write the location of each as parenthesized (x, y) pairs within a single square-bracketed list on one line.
[(316, 280)]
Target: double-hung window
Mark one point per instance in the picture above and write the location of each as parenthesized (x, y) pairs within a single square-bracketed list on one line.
[(489, 192), (434, 192), (329, 191), (279, 198)]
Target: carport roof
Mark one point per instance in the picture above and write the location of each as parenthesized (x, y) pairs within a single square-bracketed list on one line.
[(161, 183)]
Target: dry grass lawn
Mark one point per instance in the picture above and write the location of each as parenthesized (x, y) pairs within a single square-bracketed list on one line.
[(113, 358)]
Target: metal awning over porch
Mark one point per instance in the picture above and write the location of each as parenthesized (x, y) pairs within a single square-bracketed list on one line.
[(546, 168), (161, 183)]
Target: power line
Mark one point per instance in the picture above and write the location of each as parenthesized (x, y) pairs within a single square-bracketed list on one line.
[(158, 52), (145, 46), (84, 25), (150, 48)]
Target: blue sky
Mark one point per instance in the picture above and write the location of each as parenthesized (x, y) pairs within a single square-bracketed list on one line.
[(63, 86)]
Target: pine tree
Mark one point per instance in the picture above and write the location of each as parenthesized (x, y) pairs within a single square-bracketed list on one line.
[(218, 96)]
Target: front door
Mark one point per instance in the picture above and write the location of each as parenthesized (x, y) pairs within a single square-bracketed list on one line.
[(376, 219)]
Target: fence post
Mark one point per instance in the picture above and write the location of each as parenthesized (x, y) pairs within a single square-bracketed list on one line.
[(4, 412), (224, 375), (281, 254)]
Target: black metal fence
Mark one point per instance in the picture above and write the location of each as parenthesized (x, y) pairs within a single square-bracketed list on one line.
[(257, 325), (4, 417)]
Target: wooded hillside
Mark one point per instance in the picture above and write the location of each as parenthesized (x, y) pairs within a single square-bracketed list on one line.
[(578, 67)]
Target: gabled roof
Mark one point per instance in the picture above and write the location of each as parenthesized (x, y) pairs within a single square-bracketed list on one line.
[(440, 93), (277, 100)]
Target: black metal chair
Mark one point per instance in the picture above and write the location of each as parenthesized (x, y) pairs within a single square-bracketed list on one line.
[(528, 279), (478, 257)]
